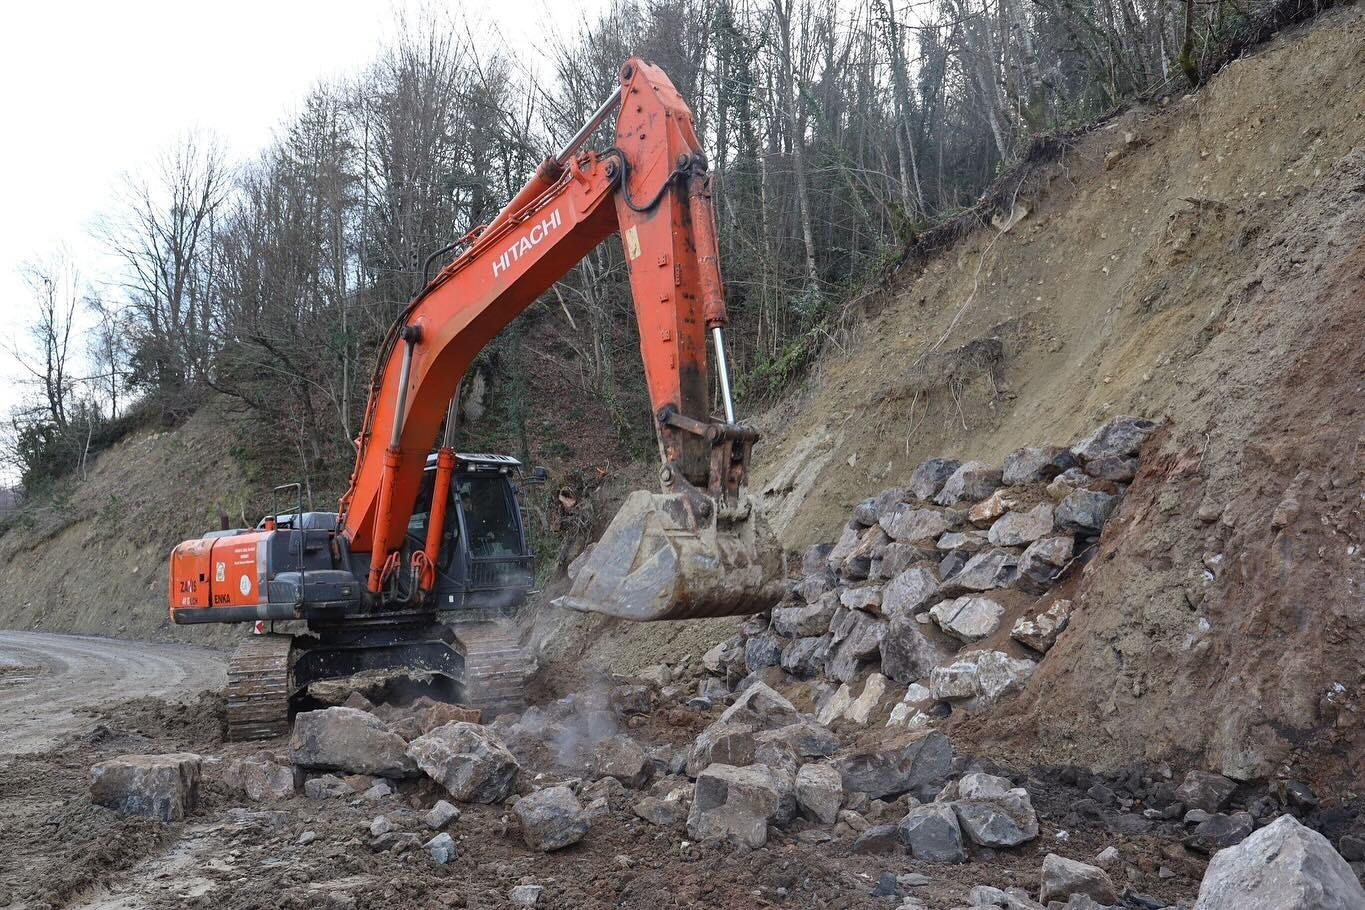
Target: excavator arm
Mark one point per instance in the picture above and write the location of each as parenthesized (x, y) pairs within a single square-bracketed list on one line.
[(699, 548)]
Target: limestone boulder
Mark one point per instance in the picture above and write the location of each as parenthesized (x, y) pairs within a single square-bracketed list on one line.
[(1085, 511), (968, 619), (1021, 528), (907, 653), (1284, 865), (1040, 632), (1035, 464), (551, 819), (1122, 436), (1062, 877), (910, 763), (931, 833), (908, 593), (738, 803), (164, 787), (992, 568), (623, 758), (909, 524), (468, 760), (1043, 561), (346, 739), (819, 792), (974, 480), (928, 478)]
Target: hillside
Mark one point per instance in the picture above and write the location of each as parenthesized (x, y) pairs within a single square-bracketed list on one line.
[(1198, 262)]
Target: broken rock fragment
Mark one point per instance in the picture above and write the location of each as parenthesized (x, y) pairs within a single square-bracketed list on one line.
[(621, 757), (1020, 528), (980, 675), (819, 792), (1205, 790), (968, 619), (993, 568), (974, 480), (738, 804), (907, 654), (1035, 464), (908, 524), (1284, 865), (345, 739), (911, 763), (909, 592), (468, 760), (931, 833), (1064, 877), (1043, 561), (551, 819), (994, 814), (1122, 436), (165, 787), (1040, 633), (1085, 511), (928, 478)]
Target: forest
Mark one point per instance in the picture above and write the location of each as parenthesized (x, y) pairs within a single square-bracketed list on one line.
[(838, 132)]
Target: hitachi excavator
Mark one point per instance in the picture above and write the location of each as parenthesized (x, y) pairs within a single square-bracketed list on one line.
[(422, 543)]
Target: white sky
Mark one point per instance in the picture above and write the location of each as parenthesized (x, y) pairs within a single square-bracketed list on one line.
[(90, 91)]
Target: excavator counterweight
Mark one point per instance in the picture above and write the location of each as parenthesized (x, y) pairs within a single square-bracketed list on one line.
[(423, 539)]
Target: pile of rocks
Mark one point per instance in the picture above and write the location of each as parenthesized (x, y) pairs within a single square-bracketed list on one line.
[(920, 583)]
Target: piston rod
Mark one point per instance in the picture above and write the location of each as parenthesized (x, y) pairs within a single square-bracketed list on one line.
[(718, 336)]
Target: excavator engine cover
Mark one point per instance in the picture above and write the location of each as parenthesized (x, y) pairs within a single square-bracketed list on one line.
[(660, 560)]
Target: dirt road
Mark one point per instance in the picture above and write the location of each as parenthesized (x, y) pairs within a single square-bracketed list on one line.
[(45, 679)]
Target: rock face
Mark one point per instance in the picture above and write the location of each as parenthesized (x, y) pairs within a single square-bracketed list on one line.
[(159, 786), (819, 792), (968, 619), (345, 739), (919, 765), (974, 480), (468, 760), (738, 804), (551, 819), (1064, 877), (928, 479), (1284, 865), (931, 833)]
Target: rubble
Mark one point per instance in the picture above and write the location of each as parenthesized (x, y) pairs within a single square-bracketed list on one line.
[(260, 778), (974, 480), (968, 618), (551, 819), (1284, 865), (441, 815), (441, 848), (993, 813), (347, 739), (1062, 877), (982, 676), (819, 792), (1022, 528), (917, 764), (164, 787), (1040, 632), (1205, 790), (468, 760), (667, 812), (1120, 437), (994, 568), (927, 480), (932, 833), (738, 804), (525, 895), (621, 757), (861, 708)]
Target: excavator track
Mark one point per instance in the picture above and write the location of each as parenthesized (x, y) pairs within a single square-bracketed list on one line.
[(496, 667), (258, 688)]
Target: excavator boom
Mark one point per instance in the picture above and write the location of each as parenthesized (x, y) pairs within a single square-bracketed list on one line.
[(702, 552)]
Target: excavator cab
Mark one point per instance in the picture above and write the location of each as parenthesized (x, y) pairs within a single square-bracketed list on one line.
[(485, 568)]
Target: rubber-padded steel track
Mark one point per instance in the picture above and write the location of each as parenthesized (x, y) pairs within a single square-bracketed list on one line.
[(496, 669), (258, 688)]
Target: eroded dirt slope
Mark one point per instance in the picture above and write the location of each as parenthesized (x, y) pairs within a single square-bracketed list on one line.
[(1200, 263)]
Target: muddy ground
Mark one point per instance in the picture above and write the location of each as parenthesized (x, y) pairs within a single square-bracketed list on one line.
[(59, 850)]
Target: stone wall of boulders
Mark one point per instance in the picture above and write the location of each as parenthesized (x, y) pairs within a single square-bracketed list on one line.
[(943, 585)]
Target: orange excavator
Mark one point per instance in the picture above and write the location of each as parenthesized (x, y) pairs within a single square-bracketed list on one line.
[(427, 551)]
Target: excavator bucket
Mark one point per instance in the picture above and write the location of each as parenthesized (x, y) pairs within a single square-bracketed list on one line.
[(656, 562)]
